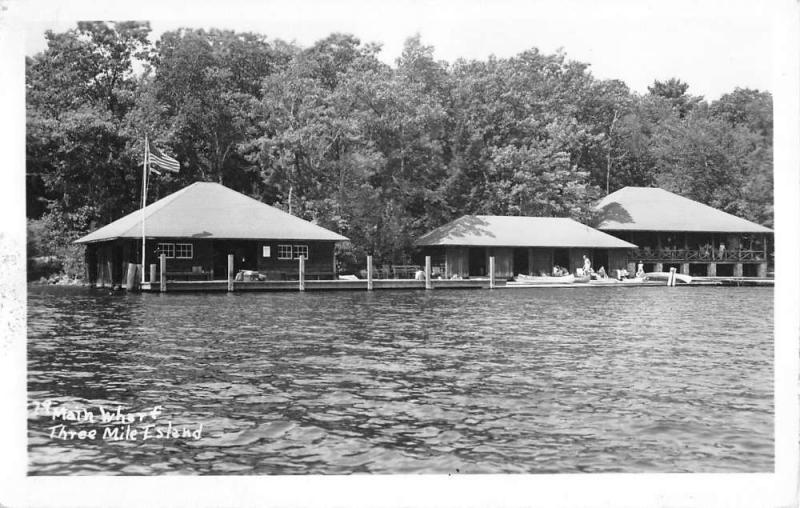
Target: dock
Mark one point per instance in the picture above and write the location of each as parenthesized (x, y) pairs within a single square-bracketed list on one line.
[(370, 283), (320, 285), (732, 281), (384, 284)]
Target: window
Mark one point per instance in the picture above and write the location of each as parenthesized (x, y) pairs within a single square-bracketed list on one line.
[(184, 251), (166, 248), (300, 250), (292, 251), (284, 252), (265, 251)]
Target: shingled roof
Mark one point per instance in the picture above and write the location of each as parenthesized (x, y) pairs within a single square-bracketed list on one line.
[(500, 231), (211, 211), (654, 209)]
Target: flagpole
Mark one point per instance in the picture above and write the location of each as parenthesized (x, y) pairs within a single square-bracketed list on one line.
[(144, 200)]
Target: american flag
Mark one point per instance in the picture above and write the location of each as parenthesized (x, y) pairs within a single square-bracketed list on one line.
[(157, 158)]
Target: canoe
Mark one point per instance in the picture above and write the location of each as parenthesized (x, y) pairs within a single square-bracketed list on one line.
[(687, 279), (583, 279)]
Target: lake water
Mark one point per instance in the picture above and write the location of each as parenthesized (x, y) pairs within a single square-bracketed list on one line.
[(649, 379)]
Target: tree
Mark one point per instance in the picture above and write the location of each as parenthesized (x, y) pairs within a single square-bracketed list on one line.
[(539, 181), (79, 91), (729, 168), (379, 153), (747, 107), (209, 82), (674, 90)]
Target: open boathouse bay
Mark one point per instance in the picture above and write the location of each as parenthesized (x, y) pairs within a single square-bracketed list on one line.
[(504, 381)]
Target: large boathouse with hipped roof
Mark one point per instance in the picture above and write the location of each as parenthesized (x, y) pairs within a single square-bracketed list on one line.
[(197, 228), (520, 245), (674, 231)]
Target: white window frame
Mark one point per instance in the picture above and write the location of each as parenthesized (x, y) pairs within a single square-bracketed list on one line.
[(182, 245), (296, 255), (282, 251), (166, 249)]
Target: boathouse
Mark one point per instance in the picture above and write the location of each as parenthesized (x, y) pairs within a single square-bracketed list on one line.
[(520, 245), (676, 232), (197, 227)]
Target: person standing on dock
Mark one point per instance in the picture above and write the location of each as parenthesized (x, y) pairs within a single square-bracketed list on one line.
[(587, 265)]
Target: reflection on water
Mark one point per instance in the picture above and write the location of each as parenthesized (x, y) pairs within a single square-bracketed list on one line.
[(505, 381)]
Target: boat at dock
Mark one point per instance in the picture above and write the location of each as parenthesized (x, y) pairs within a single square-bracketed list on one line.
[(664, 276), (527, 281), (544, 280)]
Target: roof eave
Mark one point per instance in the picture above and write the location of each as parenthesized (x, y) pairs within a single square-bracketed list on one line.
[(627, 246), (643, 228), (150, 237)]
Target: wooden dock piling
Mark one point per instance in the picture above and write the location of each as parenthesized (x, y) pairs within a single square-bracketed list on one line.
[(428, 284), (132, 277), (369, 273), (153, 272), (302, 272), (491, 272), (163, 269), (230, 272)]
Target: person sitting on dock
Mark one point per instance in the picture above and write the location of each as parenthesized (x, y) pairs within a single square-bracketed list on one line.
[(601, 273), (622, 273)]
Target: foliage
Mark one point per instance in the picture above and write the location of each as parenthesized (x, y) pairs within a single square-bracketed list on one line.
[(379, 153)]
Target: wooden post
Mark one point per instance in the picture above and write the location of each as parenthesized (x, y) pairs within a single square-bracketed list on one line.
[(163, 263), (428, 273), (153, 272), (671, 279), (110, 270), (132, 281), (738, 270), (230, 272), (714, 251), (301, 272), (369, 273), (491, 272)]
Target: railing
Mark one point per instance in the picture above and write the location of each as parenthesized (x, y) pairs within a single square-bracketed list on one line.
[(698, 255), (404, 271)]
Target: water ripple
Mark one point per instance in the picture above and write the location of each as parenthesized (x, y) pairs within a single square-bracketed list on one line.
[(616, 380)]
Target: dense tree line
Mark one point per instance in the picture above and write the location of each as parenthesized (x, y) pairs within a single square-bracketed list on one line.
[(379, 153)]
